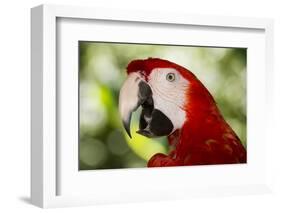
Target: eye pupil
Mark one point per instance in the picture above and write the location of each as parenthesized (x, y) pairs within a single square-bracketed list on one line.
[(170, 76)]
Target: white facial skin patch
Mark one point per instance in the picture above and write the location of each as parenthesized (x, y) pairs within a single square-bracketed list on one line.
[(169, 94)]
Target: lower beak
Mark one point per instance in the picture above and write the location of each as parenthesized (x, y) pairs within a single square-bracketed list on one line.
[(134, 93)]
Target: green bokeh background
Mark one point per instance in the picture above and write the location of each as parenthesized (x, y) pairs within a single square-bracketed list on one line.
[(103, 143)]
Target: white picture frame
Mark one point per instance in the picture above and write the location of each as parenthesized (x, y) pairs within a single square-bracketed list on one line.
[(48, 166)]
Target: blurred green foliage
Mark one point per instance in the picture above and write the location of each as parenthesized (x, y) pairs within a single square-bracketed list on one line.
[(103, 143)]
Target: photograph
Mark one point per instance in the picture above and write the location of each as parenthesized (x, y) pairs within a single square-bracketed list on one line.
[(159, 105)]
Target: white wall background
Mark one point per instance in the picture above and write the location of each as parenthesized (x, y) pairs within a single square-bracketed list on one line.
[(15, 98)]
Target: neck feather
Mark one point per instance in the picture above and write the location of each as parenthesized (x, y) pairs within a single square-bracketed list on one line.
[(203, 121)]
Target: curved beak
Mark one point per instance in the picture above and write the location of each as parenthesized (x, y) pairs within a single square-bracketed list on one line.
[(134, 92)]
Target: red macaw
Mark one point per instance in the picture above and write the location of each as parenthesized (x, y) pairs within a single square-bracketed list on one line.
[(177, 105)]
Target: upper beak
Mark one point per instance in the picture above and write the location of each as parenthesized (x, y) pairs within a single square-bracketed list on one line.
[(134, 92)]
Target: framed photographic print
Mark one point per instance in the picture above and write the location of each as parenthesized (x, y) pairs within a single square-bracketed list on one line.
[(130, 105)]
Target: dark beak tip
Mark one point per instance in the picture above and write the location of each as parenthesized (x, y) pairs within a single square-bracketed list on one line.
[(128, 132), (127, 128), (130, 135)]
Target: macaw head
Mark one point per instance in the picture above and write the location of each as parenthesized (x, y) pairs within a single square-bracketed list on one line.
[(164, 90)]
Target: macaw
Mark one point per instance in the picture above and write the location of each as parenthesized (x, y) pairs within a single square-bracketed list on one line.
[(176, 104)]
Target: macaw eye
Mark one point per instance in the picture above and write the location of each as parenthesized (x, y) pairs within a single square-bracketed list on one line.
[(170, 77)]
